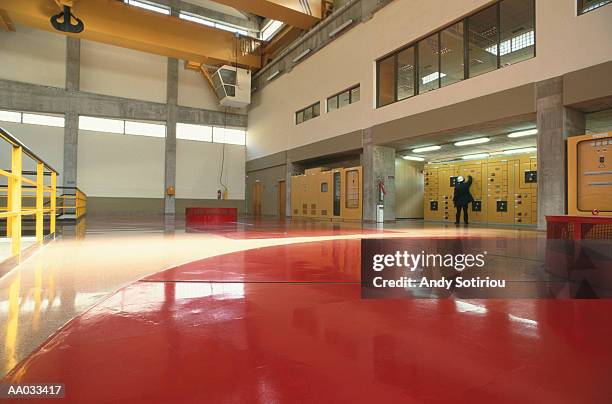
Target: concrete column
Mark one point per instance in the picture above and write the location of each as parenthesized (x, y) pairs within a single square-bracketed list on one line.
[(378, 164), (555, 123), (292, 169), (71, 125), (170, 143)]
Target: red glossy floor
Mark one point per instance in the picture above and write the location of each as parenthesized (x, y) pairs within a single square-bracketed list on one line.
[(285, 323)]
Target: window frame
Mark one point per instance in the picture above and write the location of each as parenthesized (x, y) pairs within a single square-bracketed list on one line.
[(580, 7), (415, 44), (337, 95), (302, 111)]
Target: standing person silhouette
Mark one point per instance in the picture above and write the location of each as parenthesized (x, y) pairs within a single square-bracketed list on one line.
[(462, 198)]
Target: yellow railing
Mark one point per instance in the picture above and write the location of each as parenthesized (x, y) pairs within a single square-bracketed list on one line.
[(14, 211), (72, 201)]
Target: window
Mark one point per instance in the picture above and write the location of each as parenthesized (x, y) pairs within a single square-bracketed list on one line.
[(483, 34), (517, 37), (101, 124), (344, 98), (149, 5), (145, 129), (10, 116), (271, 29), (47, 120), (451, 54), (229, 136), (386, 81), (499, 35), (200, 133), (429, 69), (308, 113), (584, 6), (405, 73), (212, 23)]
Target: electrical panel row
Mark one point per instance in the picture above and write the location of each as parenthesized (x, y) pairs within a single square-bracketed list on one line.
[(504, 190), (328, 194)]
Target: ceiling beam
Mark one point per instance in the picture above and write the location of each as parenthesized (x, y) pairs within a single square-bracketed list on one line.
[(291, 12), (115, 23), (284, 37), (6, 24)]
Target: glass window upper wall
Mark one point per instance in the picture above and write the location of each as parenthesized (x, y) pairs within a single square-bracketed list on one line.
[(494, 37), (584, 6)]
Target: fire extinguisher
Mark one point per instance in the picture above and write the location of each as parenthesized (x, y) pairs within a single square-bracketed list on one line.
[(381, 190), (219, 194)]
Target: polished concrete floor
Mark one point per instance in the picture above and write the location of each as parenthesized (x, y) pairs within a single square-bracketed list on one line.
[(139, 310)]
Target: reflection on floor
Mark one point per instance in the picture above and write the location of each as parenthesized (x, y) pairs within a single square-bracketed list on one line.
[(281, 323)]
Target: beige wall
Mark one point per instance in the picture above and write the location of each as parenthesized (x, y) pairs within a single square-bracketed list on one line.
[(408, 189), (33, 56), (194, 91), (564, 42)]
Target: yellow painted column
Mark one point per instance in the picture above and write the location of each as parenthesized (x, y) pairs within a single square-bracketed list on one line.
[(40, 189), (53, 201), (15, 198)]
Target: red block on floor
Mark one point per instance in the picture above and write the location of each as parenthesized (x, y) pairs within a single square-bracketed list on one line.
[(210, 215)]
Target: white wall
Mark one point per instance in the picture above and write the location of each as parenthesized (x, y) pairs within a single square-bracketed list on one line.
[(33, 56), (120, 166), (198, 168), (565, 42), (194, 91), (45, 141), (121, 72)]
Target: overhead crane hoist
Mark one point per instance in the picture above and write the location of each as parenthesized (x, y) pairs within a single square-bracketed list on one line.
[(63, 21)]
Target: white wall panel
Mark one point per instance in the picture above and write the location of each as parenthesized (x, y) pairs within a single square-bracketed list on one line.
[(121, 72), (33, 56), (198, 168)]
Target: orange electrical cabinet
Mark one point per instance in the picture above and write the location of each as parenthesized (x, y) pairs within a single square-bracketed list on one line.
[(589, 175)]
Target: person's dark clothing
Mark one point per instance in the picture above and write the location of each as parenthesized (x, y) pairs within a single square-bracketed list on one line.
[(465, 214), (462, 198)]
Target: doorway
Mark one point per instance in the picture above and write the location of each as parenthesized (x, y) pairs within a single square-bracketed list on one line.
[(257, 193), (282, 192)]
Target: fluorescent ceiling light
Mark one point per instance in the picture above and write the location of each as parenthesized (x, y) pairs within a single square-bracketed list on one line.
[(413, 158), (158, 8), (473, 141), (426, 149), (522, 133), (301, 55), (521, 150), (340, 27), (270, 77), (432, 77), (475, 156)]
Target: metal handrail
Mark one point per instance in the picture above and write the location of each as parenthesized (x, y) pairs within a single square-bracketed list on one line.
[(16, 177)]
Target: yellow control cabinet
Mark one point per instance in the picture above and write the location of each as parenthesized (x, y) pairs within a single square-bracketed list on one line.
[(328, 194), (504, 189), (589, 175)]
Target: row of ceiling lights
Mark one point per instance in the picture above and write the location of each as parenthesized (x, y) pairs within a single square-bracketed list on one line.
[(475, 141)]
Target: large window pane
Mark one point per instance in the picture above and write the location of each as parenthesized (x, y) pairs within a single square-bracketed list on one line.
[(386, 81), (194, 132), (405, 73), (517, 31), (332, 103), (451, 48), (584, 6), (428, 63), (299, 117), (316, 110), (145, 129), (482, 41), (229, 136), (10, 116), (40, 119), (101, 124)]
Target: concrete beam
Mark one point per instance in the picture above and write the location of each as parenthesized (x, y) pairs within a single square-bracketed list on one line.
[(20, 96)]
